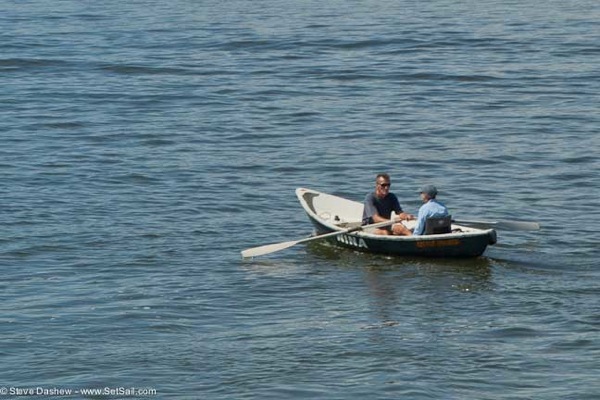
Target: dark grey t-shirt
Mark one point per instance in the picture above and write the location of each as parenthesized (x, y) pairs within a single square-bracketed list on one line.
[(383, 207)]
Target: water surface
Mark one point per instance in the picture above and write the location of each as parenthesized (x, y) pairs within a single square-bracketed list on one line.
[(145, 145)]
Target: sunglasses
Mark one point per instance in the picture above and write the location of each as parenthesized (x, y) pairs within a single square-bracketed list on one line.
[(384, 184)]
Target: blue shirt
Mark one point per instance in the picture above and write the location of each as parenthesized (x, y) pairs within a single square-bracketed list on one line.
[(431, 209), (383, 207)]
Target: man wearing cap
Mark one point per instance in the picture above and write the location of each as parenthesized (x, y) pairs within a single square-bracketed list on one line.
[(431, 209)]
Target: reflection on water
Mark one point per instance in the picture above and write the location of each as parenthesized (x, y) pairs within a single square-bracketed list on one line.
[(272, 267), (347, 257), (395, 282)]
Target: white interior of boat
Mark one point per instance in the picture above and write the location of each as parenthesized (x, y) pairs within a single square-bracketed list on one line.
[(340, 213)]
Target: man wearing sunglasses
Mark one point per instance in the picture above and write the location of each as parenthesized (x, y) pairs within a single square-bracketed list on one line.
[(378, 207)]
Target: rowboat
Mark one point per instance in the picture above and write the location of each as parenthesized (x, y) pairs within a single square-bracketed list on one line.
[(329, 214)]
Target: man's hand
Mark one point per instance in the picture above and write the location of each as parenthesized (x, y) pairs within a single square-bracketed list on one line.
[(405, 217)]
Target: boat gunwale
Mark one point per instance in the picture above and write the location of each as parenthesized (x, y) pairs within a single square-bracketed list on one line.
[(393, 238)]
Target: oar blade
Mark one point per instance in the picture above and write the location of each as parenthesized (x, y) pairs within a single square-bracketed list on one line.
[(267, 249), (518, 226), (502, 225)]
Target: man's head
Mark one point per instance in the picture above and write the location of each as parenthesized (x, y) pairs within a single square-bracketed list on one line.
[(382, 185), (428, 192)]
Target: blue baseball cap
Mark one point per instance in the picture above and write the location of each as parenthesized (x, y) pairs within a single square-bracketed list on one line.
[(429, 190)]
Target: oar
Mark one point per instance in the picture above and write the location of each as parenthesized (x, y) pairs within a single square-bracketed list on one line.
[(506, 225), (272, 248)]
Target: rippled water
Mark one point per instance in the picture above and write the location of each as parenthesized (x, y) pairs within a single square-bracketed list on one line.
[(144, 145)]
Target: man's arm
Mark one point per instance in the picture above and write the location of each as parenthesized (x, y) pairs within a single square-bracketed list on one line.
[(421, 217)]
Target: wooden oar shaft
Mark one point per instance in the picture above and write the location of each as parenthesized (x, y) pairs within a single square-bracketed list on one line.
[(272, 248)]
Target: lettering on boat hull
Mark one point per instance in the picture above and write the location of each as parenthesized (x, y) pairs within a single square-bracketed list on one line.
[(437, 243), (352, 241)]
